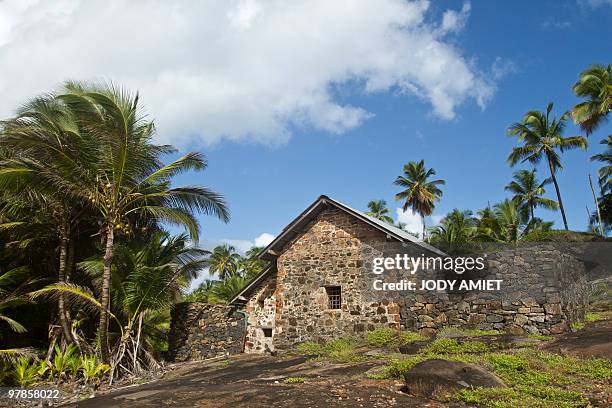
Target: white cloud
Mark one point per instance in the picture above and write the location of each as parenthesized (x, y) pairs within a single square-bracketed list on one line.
[(241, 70), (264, 239), (413, 221), (243, 245)]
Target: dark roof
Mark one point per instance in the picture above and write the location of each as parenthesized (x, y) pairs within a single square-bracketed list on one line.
[(323, 202)]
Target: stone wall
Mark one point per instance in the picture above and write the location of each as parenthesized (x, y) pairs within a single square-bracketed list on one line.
[(543, 291), (199, 331)]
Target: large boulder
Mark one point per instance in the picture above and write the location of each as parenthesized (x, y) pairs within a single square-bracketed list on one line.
[(436, 377)]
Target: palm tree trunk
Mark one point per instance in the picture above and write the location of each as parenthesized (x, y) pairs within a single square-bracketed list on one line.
[(105, 296), (61, 301), (554, 179), (424, 228), (531, 208)]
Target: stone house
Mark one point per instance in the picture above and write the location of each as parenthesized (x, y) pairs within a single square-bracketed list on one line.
[(319, 286), (313, 288)]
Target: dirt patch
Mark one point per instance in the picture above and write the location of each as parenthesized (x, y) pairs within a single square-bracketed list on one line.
[(255, 381)]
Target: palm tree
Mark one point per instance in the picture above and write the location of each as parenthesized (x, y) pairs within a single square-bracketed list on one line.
[(543, 138), (420, 193), (147, 277), (594, 84), (528, 192), (117, 170), (45, 148), (224, 261), (605, 172), (379, 210), (457, 227), (507, 223)]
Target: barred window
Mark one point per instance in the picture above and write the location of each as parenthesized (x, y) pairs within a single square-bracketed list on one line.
[(334, 297)]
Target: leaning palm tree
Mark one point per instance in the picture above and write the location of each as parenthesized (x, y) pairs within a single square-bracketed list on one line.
[(605, 172), (379, 210), (542, 138), (420, 194), (224, 261), (117, 170), (528, 192), (594, 84)]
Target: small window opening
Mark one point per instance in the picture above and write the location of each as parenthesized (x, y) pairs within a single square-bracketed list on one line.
[(267, 332), (334, 297)]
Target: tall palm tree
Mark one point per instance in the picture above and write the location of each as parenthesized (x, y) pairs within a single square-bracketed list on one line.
[(379, 210), (45, 148), (528, 192), (420, 194), (117, 170), (594, 84), (542, 138), (224, 261), (605, 172)]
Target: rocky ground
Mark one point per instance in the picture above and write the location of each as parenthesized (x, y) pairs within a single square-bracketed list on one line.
[(298, 381)]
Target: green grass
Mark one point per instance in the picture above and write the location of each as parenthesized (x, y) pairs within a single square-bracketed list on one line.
[(534, 397), (541, 337), (294, 380), (341, 350), (577, 325), (452, 346), (596, 316), (388, 337)]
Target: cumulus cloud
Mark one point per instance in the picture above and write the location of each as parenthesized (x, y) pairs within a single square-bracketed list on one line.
[(241, 70), (413, 221), (243, 245)]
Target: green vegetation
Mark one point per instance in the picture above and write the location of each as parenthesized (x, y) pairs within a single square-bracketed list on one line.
[(388, 337), (378, 209), (541, 337), (341, 350), (294, 380), (577, 325), (450, 332), (452, 346), (420, 194), (535, 397)]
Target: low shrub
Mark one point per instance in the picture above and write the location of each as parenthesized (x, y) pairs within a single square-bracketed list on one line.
[(294, 380)]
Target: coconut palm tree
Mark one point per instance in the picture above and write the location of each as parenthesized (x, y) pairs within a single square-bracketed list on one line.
[(224, 261), (117, 170), (147, 277), (605, 172), (528, 192), (43, 151), (507, 223), (379, 210), (542, 138), (420, 194), (457, 227), (595, 85)]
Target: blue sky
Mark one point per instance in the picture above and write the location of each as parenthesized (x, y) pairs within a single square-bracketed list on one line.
[(545, 45), (290, 100)]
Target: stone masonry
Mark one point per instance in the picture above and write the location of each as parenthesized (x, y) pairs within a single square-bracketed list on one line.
[(200, 331), (544, 290)]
